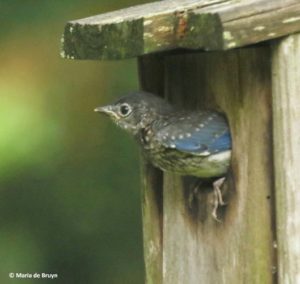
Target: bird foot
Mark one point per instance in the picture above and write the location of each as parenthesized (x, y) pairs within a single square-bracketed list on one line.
[(218, 199)]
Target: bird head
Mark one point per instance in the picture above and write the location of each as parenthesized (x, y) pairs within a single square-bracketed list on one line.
[(135, 111)]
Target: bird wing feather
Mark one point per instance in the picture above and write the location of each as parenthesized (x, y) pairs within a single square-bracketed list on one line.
[(201, 133)]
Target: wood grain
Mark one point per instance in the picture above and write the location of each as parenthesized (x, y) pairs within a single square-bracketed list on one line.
[(197, 249), (151, 72), (286, 109)]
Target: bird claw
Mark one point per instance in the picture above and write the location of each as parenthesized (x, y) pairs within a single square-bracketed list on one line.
[(218, 200), (215, 216)]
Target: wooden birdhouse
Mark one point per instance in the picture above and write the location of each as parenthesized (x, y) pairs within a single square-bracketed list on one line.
[(242, 58)]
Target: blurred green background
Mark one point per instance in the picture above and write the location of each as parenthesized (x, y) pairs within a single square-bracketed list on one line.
[(69, 179)]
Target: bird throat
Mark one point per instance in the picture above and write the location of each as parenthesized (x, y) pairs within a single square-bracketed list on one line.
[(145, 137)]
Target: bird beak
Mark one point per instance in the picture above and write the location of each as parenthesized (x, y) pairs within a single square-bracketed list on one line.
[(108, 110), (104, 109)]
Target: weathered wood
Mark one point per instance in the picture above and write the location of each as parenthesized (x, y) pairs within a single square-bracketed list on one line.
[(152, 180), (192, 24), (252, 21), (197, 249), (286, 111)]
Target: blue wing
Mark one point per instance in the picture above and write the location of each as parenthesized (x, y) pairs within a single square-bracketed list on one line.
[(202, 133), (222, 143)]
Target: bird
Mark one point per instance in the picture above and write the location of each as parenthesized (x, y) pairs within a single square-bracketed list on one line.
[(188, 143)]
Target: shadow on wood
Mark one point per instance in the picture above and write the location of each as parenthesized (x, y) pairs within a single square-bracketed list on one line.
[(199, 198)]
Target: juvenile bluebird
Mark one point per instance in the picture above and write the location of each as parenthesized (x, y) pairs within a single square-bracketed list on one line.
[(187, 143)]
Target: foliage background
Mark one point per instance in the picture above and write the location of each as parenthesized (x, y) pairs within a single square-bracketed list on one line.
[(69, 195)]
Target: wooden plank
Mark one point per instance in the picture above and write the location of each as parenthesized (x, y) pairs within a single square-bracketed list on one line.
[(170, 24), (152, 180), (286, 112), (252, 21), (196, 248), (121, 34)]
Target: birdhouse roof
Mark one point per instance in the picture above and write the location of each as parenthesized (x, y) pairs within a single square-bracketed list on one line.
[(171, 24)]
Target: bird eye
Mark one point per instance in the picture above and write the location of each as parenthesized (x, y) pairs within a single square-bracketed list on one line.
[(125, 109)]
